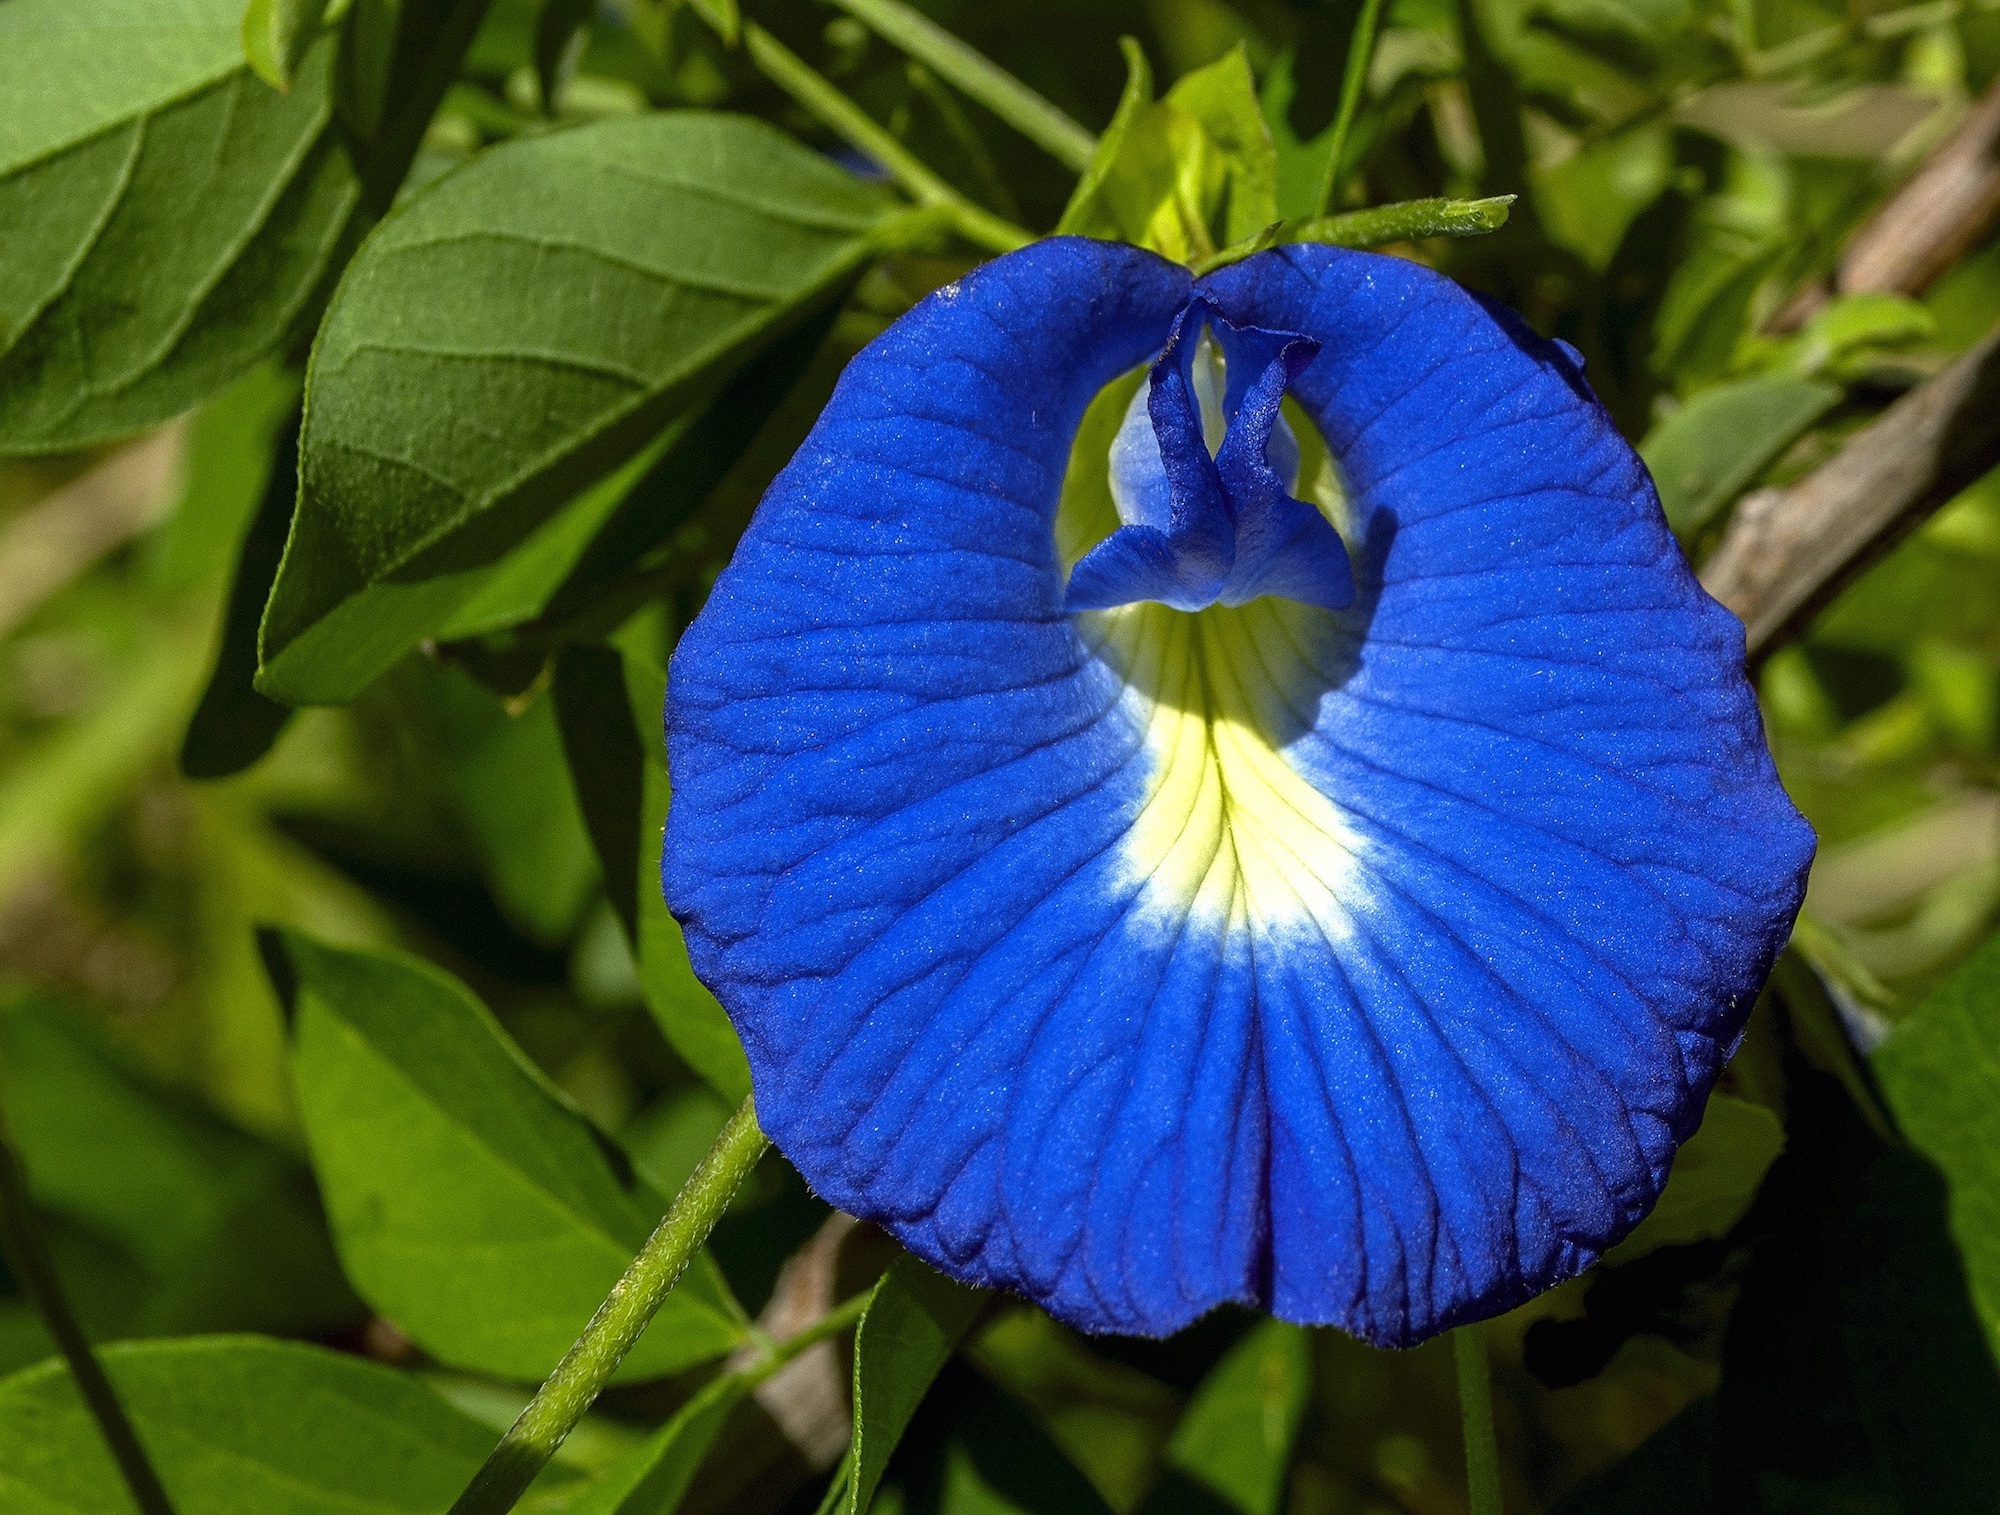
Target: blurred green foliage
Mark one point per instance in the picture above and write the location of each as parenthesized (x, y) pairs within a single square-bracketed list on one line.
[(502, 1058)]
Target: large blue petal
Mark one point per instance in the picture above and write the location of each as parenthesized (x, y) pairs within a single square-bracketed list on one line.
[(1369, 963)]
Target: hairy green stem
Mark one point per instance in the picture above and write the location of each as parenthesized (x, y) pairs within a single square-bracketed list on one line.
[(21, 1242), (1475, 1405), (584, 1371), (1360, 51), (1040, 121), (859, 130), (1405, 221)]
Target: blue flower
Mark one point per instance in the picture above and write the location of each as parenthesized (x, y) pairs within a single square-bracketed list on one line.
[(1148, 912)]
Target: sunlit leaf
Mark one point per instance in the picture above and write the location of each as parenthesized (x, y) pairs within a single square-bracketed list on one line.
[(1587, 201), (472, 1204), (1185, 175)]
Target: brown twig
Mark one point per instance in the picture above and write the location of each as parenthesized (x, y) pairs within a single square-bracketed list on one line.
[(1788, 551), (807, 1398), (1938, 215)]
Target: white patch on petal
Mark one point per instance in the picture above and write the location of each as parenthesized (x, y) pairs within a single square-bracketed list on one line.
[(1225, 814)]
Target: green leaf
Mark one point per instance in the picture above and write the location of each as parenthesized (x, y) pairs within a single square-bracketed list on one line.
[(1851, 325), (473, 1205), (654, 1479), (1301, 164), (690, 1017), (276, 34), (1709, 450), (607, 766), (397, 59), (243, 1426), (234, 725), (519, 588), (1670, 1473), (1186, 175), (611, 709), (557, 26), (913, 1322), (1234, 1443), (1589, 200), (1088, 205), (599, 543), (231, 444), (164, 1217), (166, 218), (1112, 1421), (733, 431), (503, 767), (1706, 308), (446, 419), (1940, 1073), (1854, 1374), (994, 1460), (1715, 1176), (972, 72), (1223, 98)]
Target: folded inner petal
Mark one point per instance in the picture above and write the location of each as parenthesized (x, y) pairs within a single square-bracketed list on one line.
[(1203, 472)]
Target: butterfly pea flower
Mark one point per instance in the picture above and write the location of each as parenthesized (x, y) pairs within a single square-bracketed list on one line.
[(1333, 899)]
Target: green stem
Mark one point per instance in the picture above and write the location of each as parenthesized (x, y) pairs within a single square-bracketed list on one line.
[(1475, 1404), (859, 130), (21, 1241), (1360, 51), (1041, 122), (582, 1374), (1405, 221)]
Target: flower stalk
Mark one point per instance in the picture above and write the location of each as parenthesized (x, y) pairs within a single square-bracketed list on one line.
[(1475, 1405), (21, 1243), (587, 1367)]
